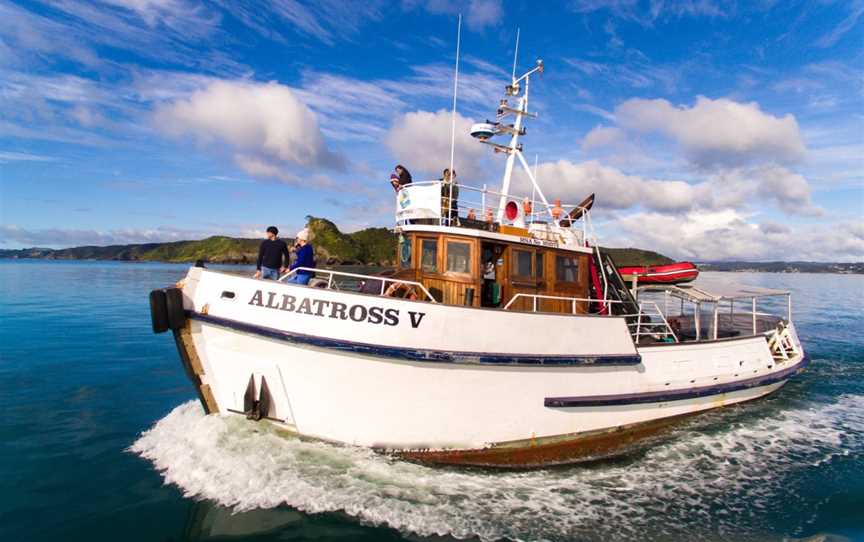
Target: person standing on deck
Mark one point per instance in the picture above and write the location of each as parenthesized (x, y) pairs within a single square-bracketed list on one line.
[(401, 178), (449, 198), (270, 255), (305, 258)]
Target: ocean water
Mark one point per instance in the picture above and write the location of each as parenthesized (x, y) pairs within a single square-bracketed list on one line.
[(101, 438)]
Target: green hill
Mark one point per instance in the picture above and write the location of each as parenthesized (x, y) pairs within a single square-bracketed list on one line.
[(626, 257), (371, 246), (375, 246)]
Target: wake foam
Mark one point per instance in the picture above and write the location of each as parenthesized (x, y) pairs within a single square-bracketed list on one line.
[(701, 484)]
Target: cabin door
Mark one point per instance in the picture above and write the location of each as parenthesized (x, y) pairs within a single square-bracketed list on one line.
[(493, 272), (527, 277)]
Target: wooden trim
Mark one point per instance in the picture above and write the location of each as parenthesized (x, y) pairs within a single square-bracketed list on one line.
[(194, 367)]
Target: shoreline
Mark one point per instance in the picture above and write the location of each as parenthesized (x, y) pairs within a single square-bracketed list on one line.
[(792, 269)]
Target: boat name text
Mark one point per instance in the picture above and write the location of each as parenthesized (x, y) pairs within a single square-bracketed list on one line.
[(333, 309), (538, 242)]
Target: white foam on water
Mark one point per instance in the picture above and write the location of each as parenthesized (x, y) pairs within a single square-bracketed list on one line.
[(696, 485)]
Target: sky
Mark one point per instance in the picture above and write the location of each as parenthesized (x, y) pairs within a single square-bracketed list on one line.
[(708, 130)]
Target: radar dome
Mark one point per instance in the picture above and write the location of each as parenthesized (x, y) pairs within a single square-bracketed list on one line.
[(483, 130)]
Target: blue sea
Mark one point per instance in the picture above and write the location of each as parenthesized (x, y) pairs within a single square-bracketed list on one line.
[(101, 438)]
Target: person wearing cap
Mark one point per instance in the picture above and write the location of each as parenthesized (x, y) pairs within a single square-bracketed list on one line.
[(270, 256), (305, 257)]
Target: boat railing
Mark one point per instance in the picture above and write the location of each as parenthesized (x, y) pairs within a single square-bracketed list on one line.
[(646, 326), (383, 288), (641, 324), (455, 204), (535, 297)]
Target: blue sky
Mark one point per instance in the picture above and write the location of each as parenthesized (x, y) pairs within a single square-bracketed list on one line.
[(708, 130)]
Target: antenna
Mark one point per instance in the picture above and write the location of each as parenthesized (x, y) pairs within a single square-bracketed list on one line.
[(453, 115), (534, 188), (455, 87), (515, 54)]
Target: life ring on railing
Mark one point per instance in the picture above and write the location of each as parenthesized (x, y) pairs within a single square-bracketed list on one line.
[(318, 283), (401, 291)]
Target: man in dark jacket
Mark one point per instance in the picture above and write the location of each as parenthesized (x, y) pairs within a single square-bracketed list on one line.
[(270, 256)]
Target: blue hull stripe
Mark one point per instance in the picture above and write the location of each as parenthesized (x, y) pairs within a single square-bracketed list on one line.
[(675, 395), (415, 354)]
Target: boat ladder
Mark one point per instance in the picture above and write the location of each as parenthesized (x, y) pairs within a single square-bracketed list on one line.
[(781, 344)]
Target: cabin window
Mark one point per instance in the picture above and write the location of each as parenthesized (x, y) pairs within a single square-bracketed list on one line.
[(429, 255), (458, 257), (538, 265), (566, 269), (404, 251), (522, 263)]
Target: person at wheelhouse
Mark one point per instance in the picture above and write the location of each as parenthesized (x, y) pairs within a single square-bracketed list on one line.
[(449, 198)]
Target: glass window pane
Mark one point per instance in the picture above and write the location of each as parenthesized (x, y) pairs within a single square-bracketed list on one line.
[(458, 257), (404, 252), (522, 263), (567, 268), (429, 258), (538, 265)]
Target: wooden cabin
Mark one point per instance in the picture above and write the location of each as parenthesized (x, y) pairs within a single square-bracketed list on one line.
[(451, 262)]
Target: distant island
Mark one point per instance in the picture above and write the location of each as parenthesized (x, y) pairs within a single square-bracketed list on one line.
[(370, 246), (783, 267)]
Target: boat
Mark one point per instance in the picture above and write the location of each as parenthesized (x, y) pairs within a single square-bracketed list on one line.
[(505, 337), (673, 273)]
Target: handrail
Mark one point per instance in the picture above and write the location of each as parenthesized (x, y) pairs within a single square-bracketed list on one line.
[(639, 324), (483, 207), (555, 297), (383, 280)]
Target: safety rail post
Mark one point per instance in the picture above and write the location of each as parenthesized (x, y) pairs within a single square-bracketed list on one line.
[(754, 316), (789, 308), (639, 324), (535, 304), (716, 318)]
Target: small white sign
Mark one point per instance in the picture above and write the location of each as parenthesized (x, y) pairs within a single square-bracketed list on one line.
[(418, 202)]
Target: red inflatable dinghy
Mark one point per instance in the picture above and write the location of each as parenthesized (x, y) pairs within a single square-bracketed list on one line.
[(673, 273)]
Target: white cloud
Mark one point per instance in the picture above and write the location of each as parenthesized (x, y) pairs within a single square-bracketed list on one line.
[(479, 15), (718, 132), (12, 156), (634, 10), (602, 136), (175, 14), (633, 70), (421, 141), (728, 189), (11, 234), (728, 235), (615, 189), (326, 20), (267, 124), (483, 13), (856, 9)]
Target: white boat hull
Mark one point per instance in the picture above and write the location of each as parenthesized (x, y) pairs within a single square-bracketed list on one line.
[(465, 385)]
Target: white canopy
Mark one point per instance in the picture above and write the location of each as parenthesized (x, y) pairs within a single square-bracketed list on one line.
[(720, 292)]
